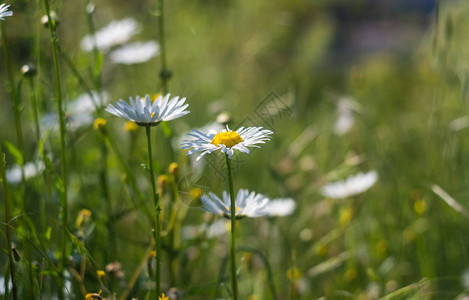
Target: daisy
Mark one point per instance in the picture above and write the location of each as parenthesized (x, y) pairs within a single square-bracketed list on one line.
[(4, 12), (248, 204), (226, 140), (30, 170), (346, 107), (115, 33), (146, 113), (353, 185), (135, 53), (281, 207)]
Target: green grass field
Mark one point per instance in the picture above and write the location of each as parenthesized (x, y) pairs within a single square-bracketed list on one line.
[(345, 89)]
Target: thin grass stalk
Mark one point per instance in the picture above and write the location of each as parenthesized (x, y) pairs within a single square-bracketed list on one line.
[(16, 109), (112, 144), (234, 282), (164, 73), (156, 200), (11, 262), (64, 204)]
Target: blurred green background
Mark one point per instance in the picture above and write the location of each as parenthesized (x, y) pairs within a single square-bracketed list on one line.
[(404, 65)]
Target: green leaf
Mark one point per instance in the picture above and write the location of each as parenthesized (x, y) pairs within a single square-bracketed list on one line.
[(15, 152)]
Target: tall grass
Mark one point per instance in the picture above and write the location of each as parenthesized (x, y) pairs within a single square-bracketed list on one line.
[(84, 223)]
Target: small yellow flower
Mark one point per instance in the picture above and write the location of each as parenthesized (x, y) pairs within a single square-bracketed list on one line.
[(321, 250), (162, 181), (346, 215), (163, 297), (130, 126), (174, 169), (99, 123), (153, 97), (83, 218), (196, 193), (293, 274), (93, 296), (101, 274), (153, 253), (420, 206)]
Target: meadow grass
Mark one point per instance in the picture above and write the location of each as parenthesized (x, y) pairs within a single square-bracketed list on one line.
[(80, 221)]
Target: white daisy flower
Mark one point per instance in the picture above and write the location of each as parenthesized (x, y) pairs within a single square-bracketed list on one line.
[(135, 53), (353, 185), (248, 204), (115, 33), (79, 112), (280, 207), (145, 112), (4, 12), (30, 170), (346, 118), (217, 228), (226, 140)]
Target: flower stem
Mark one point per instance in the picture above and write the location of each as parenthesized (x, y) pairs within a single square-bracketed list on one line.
[(164, 73), (11, 262), (234, 282), (156, 200), (64, 205)]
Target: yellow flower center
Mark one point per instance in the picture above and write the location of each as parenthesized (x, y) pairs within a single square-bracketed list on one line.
[(229, 139), (228, 208)]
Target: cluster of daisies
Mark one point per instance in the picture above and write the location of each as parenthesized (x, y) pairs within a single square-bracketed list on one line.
[(145, 112)]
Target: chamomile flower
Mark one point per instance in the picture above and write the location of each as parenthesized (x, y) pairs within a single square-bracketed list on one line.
[(115, 33), (135, 53), (353, 185), (280, 207), (4, 12), (226, 140), (30, 170), (248, 204), (146, 113)]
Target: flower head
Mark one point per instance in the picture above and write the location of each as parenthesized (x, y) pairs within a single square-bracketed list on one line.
[(226, 140), (115, 33), (144, 112), (30, 170), (351, 186), (135, 53), (4, 12), (280, 207), (248, 204)]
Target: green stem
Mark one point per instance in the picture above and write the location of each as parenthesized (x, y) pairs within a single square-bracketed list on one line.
[(16, 110), (164, 73), (11, 262), (64, 204), (156, 200), (234, 282)]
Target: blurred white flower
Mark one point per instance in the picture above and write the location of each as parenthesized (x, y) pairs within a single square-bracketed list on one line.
[(30, 170), (248, 204), (135, 53), (226, 140), (146, 112), (217, 228), (353, 185), (4, 12), (280, 207), (459, 123), (346, 118), (115, 33), (79, 112)]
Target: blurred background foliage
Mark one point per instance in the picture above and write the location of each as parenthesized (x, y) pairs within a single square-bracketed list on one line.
[(404, 63)]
